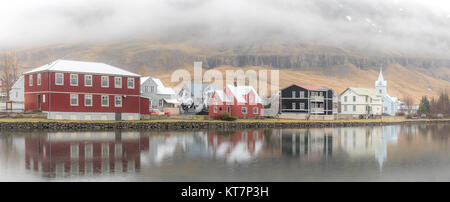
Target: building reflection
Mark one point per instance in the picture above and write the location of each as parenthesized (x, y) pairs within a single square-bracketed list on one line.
[(69, 154), (236, 146), (309, 143), (354, 142)]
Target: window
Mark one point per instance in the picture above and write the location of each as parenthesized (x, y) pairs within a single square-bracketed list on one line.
[(31, 80), (293, 105), (88, 100), (74, 79), (345, 98), (354, 98), (160, 103), (88, 151), (118, 82), (105, 81), (293, 94), (146, 89), (105, 100), (244, 110), (302, 94), (215, 109), (118, 101), (105, 150), (39, 79), (73, 100), (302, 106), (131, 83), (87, 80), (255, 110), (118, 150), (228, 109), (59, 79), (152, 89), (73, 151), (354, 107), (43, 98), (367, 98), (345, 107)]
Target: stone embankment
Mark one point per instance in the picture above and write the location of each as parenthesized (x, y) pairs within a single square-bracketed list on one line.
[(194, 125)]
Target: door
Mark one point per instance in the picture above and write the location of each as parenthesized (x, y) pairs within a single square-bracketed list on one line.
[(118, 116), (39, 102)]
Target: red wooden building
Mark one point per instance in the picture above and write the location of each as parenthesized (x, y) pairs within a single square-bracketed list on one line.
[(84, 91), (237, 101)]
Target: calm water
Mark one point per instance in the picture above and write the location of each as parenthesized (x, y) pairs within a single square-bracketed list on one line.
[(390, 153)]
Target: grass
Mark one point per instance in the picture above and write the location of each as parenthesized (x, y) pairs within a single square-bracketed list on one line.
[(266, 120)]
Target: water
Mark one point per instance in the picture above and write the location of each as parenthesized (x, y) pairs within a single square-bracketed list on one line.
[(389, 153)]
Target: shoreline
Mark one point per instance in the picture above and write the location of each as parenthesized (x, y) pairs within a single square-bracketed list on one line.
[(184, 124)]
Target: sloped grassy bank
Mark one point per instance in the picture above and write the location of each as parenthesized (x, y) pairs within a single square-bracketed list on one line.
[(180, 124)]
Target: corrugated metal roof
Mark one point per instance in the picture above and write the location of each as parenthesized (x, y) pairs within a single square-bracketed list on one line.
[(82, 67)]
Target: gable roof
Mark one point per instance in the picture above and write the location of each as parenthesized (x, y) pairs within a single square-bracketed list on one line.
[(310, 87), (19, 83), (82, 67), (196, 89), (364, 91), (239, 93), (160, 88), (223, 97)]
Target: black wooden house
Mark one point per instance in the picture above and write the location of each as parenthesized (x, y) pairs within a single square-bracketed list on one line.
[(301, 99)]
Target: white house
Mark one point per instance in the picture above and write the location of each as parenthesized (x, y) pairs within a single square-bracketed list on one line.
[(16, 94), (160, 96), (361, 101), (391, 105)]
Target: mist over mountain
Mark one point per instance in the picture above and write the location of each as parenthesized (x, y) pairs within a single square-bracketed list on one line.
[(330, 37)]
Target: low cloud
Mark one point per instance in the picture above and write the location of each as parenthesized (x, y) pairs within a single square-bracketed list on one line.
[(407, 27)]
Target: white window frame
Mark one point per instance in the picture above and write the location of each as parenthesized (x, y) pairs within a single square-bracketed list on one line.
[(302, 94), (56, 79), (302, 106), (107, 82), (92, 100), (86, 154), (115, 82), (115, 101), (39, 79), (43, 98), (242, 110), (215, 108), (71, 95), (354, 108), (30, 78), (128, 83), (257, 110), (74, 151), (70, 81), (107, 99), (293, 94), (86, 76), (294, 105)]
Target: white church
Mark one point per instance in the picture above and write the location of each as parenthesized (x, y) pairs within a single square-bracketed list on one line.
[(391, 105)]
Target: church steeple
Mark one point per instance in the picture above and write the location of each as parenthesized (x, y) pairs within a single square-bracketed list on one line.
[(381, 84)]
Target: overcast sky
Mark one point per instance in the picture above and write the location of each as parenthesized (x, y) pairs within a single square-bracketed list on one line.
[(396, 24)]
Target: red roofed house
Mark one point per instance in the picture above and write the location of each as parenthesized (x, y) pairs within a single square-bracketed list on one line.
[(238, 101), (77, 90)]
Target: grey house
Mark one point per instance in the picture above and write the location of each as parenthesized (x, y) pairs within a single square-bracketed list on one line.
[(160, 96)]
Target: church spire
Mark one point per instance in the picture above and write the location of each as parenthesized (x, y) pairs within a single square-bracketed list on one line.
[(380, 76)]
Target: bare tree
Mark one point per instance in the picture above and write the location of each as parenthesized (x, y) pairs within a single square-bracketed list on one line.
[(408, 102), (10, 71)]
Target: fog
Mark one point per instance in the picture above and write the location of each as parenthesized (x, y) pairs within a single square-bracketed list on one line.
[(404, 26)]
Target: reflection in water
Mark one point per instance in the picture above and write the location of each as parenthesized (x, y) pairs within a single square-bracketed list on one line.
[(290, 153), (84, 153)]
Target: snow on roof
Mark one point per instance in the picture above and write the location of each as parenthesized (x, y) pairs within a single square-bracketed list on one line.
[(165, 91), (82, 67), (239, 93), (171, 101), (223, 97), (144, 79), (197, 89)]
